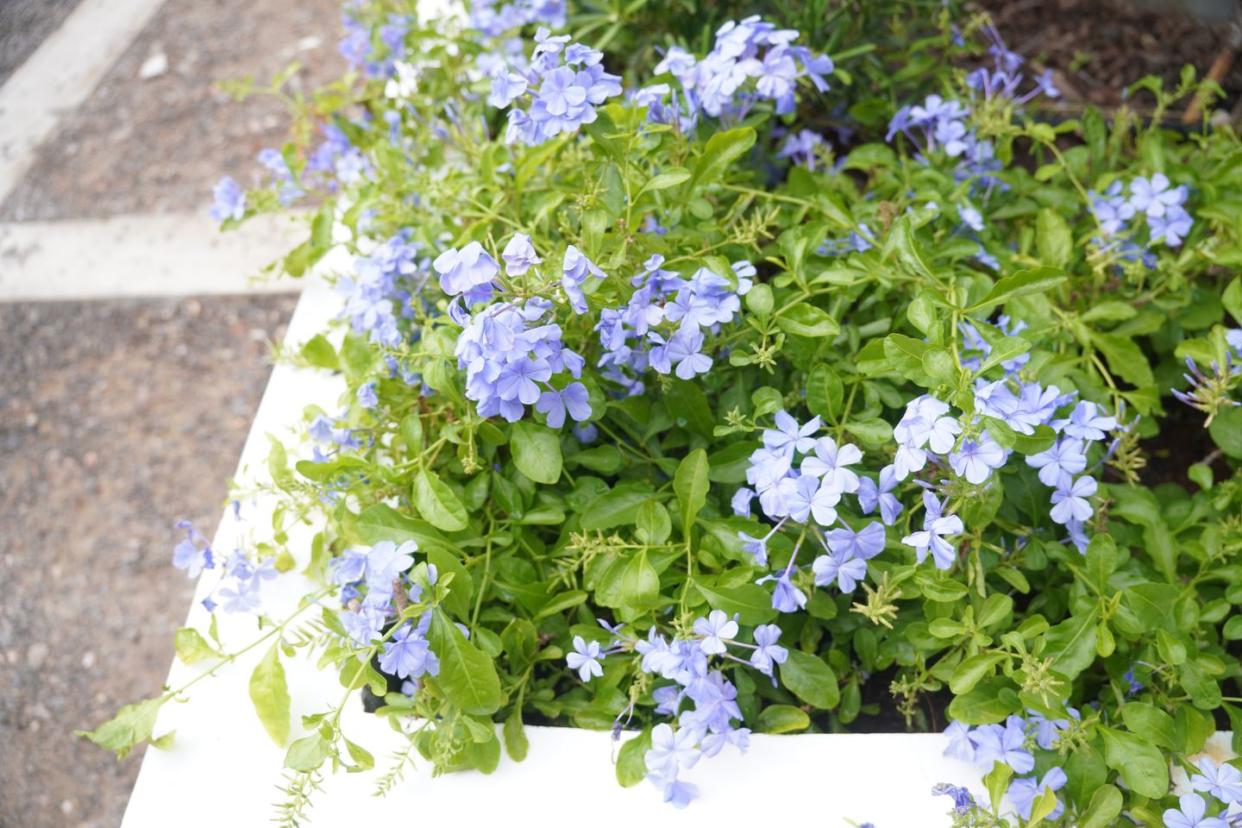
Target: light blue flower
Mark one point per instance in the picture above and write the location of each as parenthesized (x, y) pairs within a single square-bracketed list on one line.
[(585, 658), (1191, 814)]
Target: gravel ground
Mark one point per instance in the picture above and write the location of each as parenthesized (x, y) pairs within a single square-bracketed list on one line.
[(110, 434), (23, 26), (159, 144)]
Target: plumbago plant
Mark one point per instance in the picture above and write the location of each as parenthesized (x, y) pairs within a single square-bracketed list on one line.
[(668, 414)]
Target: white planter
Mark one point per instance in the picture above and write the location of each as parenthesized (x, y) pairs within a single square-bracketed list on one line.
[(223, 770)]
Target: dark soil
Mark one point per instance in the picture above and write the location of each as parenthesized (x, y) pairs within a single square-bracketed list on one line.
[(1098, 47)]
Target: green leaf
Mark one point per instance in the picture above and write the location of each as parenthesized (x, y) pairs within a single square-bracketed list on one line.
[(1231, 298), (191, 647), (874, 432), (536, 452), (381, 522), (759, 300), (412, 433), (1103, 810), (1162, 547), (461, 590), (666, 179), (605, 459), (1053, 239), (922, 312), (1101, 561), (1142, 766), (437, 503), (690, 408), (691, 484), (467, 677), (973, 670), (1150, 723), (653, 523), (278, 462), (1004, 350), (516, 743), (809, 678), (1152, 603), (783, 718), (1072, 644), (308, 753), (825, 392), (618, 507), (319, 353), (997, 782), (1124, 358), (130, 727), (1044, 805), (1226, 431), (804, 319), (631, 760), (270, 695), (985, 704), (363, 760), (561, 602), (721, 150), (630, 582), (1022, 283), (751, 603)]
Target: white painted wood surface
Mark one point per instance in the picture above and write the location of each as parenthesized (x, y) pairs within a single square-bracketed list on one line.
[(223, 770)]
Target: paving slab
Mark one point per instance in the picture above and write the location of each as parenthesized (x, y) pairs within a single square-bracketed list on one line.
[(24, 24), (158, 144), (134, 256)]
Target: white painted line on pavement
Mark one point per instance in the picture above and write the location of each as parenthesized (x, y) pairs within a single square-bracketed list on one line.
[(132, 256), (60, 75)]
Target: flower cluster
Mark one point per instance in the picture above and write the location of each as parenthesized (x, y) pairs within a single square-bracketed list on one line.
[(193, 553), (1222, 783), (752, 60), (510, 359), (229, 200), (494, 21), (1012, 744), (1211, 391), (361, 51), (241, 579), (692, 664), (287, 189), (1004, 80), (564, 83), (941, 125), (373, 584), (633, 339), (336, 161), (510, 351), (379, 291), (1155, 200), (808, 491)]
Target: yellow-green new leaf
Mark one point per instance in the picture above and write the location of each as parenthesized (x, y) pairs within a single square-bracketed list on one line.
[(270, 695)]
